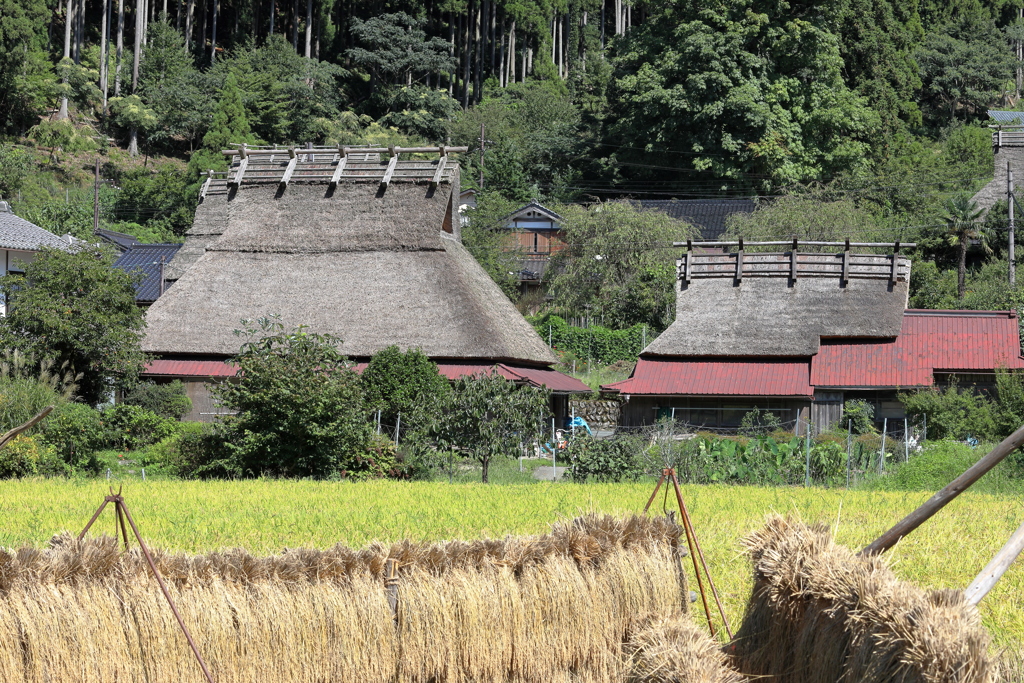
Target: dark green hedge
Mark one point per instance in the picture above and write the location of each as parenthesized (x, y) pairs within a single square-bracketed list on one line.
[(602, 345)]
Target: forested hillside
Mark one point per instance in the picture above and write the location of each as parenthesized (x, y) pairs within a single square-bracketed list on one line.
[(848, 118)]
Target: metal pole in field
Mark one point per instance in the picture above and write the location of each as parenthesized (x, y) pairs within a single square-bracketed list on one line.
[(1011, 256), (881, 456), (554, 450), (849, 444), (906, 442), (807, 444)]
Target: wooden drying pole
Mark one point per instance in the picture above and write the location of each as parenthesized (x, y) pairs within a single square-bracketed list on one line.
[(122, 514), (695, 550), (943, 497), (28, 425)]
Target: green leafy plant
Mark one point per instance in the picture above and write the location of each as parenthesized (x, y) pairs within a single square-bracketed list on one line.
[(759, 422), (606, 460), (26, 456), (486, 416), (859, 416), (76, 432), (403, 383), (130, 427)]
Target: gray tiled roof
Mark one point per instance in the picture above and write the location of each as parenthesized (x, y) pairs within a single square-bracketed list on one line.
[(146, 258), (18, 233), (707, 214), (1010, 117)]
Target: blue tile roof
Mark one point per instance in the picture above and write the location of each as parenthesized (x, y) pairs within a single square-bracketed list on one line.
[(707, 214), (1010, 117), (146, 258)]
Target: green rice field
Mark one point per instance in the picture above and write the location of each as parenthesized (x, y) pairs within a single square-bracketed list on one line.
[(267, 516)]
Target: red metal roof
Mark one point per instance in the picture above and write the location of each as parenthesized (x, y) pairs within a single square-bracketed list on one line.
[(929, 341), (537, 377), (189, 368), (544, 377), (717, 378)]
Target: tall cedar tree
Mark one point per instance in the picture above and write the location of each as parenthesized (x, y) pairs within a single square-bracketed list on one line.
[(76, 307), (230, 126)]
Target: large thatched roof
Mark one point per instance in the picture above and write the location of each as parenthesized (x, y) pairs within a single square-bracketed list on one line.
[(373, 265), (774, 315)]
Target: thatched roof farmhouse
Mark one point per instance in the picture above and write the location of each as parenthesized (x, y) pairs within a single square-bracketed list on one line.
[(347, 244), (798, 333)]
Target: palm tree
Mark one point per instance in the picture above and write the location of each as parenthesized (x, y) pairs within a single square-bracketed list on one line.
[(962, 226)]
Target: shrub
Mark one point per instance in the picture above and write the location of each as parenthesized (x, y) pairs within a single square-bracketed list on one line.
[(27, 386), (859, 416), (939, 463), (759, 422), (606, 460), (954, 413), (129, 427), (300, 406), (25, 456), (76, 432), (403, 383), (600, 344), (166, 400), (196, 451)]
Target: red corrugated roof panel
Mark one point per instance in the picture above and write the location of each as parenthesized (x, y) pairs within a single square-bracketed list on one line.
[(538, 377), (929, 341), (189, 368), (544, 377), (717, 378)]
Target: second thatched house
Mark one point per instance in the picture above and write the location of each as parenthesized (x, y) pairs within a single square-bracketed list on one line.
[(344, 243), (799, 333)]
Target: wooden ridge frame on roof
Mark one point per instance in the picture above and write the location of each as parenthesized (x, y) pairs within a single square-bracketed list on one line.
[(792, 264), (258, 164)]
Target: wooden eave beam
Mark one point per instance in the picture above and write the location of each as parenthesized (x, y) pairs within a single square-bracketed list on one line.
[(206, 185), (240, 171)]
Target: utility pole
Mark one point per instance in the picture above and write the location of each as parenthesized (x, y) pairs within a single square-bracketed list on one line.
[(1011, 255), (96, 199), (481, 157)]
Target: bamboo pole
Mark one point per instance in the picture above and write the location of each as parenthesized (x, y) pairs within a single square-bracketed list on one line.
[(995, 569)]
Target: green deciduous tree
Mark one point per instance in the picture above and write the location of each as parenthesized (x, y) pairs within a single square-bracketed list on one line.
[(132, 113), (75, 308), (300, 406), (964, 64), (403, 383), (743, 91), (810, 216), (487, 416), (618, 265), (535, 140)]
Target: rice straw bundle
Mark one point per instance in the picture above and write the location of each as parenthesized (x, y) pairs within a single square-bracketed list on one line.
[(557, 607), (675, 650), (819, 613)]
